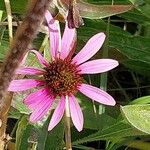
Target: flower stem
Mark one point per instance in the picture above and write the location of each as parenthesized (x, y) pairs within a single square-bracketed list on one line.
[(9, 17), (67, 125)]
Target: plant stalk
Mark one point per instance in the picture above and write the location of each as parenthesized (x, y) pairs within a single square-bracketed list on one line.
[(67, 125), (9, 18)]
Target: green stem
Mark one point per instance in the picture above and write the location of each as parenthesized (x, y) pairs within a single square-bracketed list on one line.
[(121, 89), (132, 88), (103, 77)]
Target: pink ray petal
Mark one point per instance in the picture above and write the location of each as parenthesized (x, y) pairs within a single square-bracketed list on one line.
[(42, 109), (90, 49), (97, 94), (58, 114), (54, 33), (41, 59), (97, 66), (76, 113), (30, 71), (24, 84), (34, 99), (68, 41)]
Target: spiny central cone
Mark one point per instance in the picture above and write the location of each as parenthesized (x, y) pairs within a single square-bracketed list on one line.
[(62, 77)]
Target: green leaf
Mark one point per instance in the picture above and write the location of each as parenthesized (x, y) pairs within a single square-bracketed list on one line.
[(137, 2), (14, 113), (144, 6), (136, 16), (138, 116), (92, 11), (4, 43), (113, 132), (93, 120), (55, 138), (44, 140), (1, 14), (137, 66), (17, 6), (50, 140), (81, 147), (22, 134), (141, 100), (42, 136), (134, 47), (18, 104)]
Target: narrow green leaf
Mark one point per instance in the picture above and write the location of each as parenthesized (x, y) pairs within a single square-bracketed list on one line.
[(113, 132), (81, 147), (143, 6), (97, 11), (137, 66), (136, 16), (92, 11), (134, 47)]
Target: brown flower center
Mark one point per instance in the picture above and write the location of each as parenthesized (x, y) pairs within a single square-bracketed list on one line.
[(62, 77)]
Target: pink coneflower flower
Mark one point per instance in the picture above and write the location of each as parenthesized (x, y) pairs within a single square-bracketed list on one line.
[(62, 77)]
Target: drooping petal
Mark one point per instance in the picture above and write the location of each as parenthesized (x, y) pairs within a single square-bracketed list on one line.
[(30, 71), (42, 109), (68, 41), (22, 63), (41, 59), (24, 84), (97, 94), (58, 114), (34, 99), (97, 66), (76, 113), (90, 49), (54, 33)]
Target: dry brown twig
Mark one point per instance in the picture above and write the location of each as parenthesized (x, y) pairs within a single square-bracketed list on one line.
[(19, 47)]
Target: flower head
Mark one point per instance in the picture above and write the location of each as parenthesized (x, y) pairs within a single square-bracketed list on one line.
[(62, 77)]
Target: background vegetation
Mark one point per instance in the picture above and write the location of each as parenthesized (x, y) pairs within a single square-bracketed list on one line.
[(125, 126)]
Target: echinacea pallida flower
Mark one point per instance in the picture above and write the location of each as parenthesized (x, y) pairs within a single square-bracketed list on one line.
[(62, 77)]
